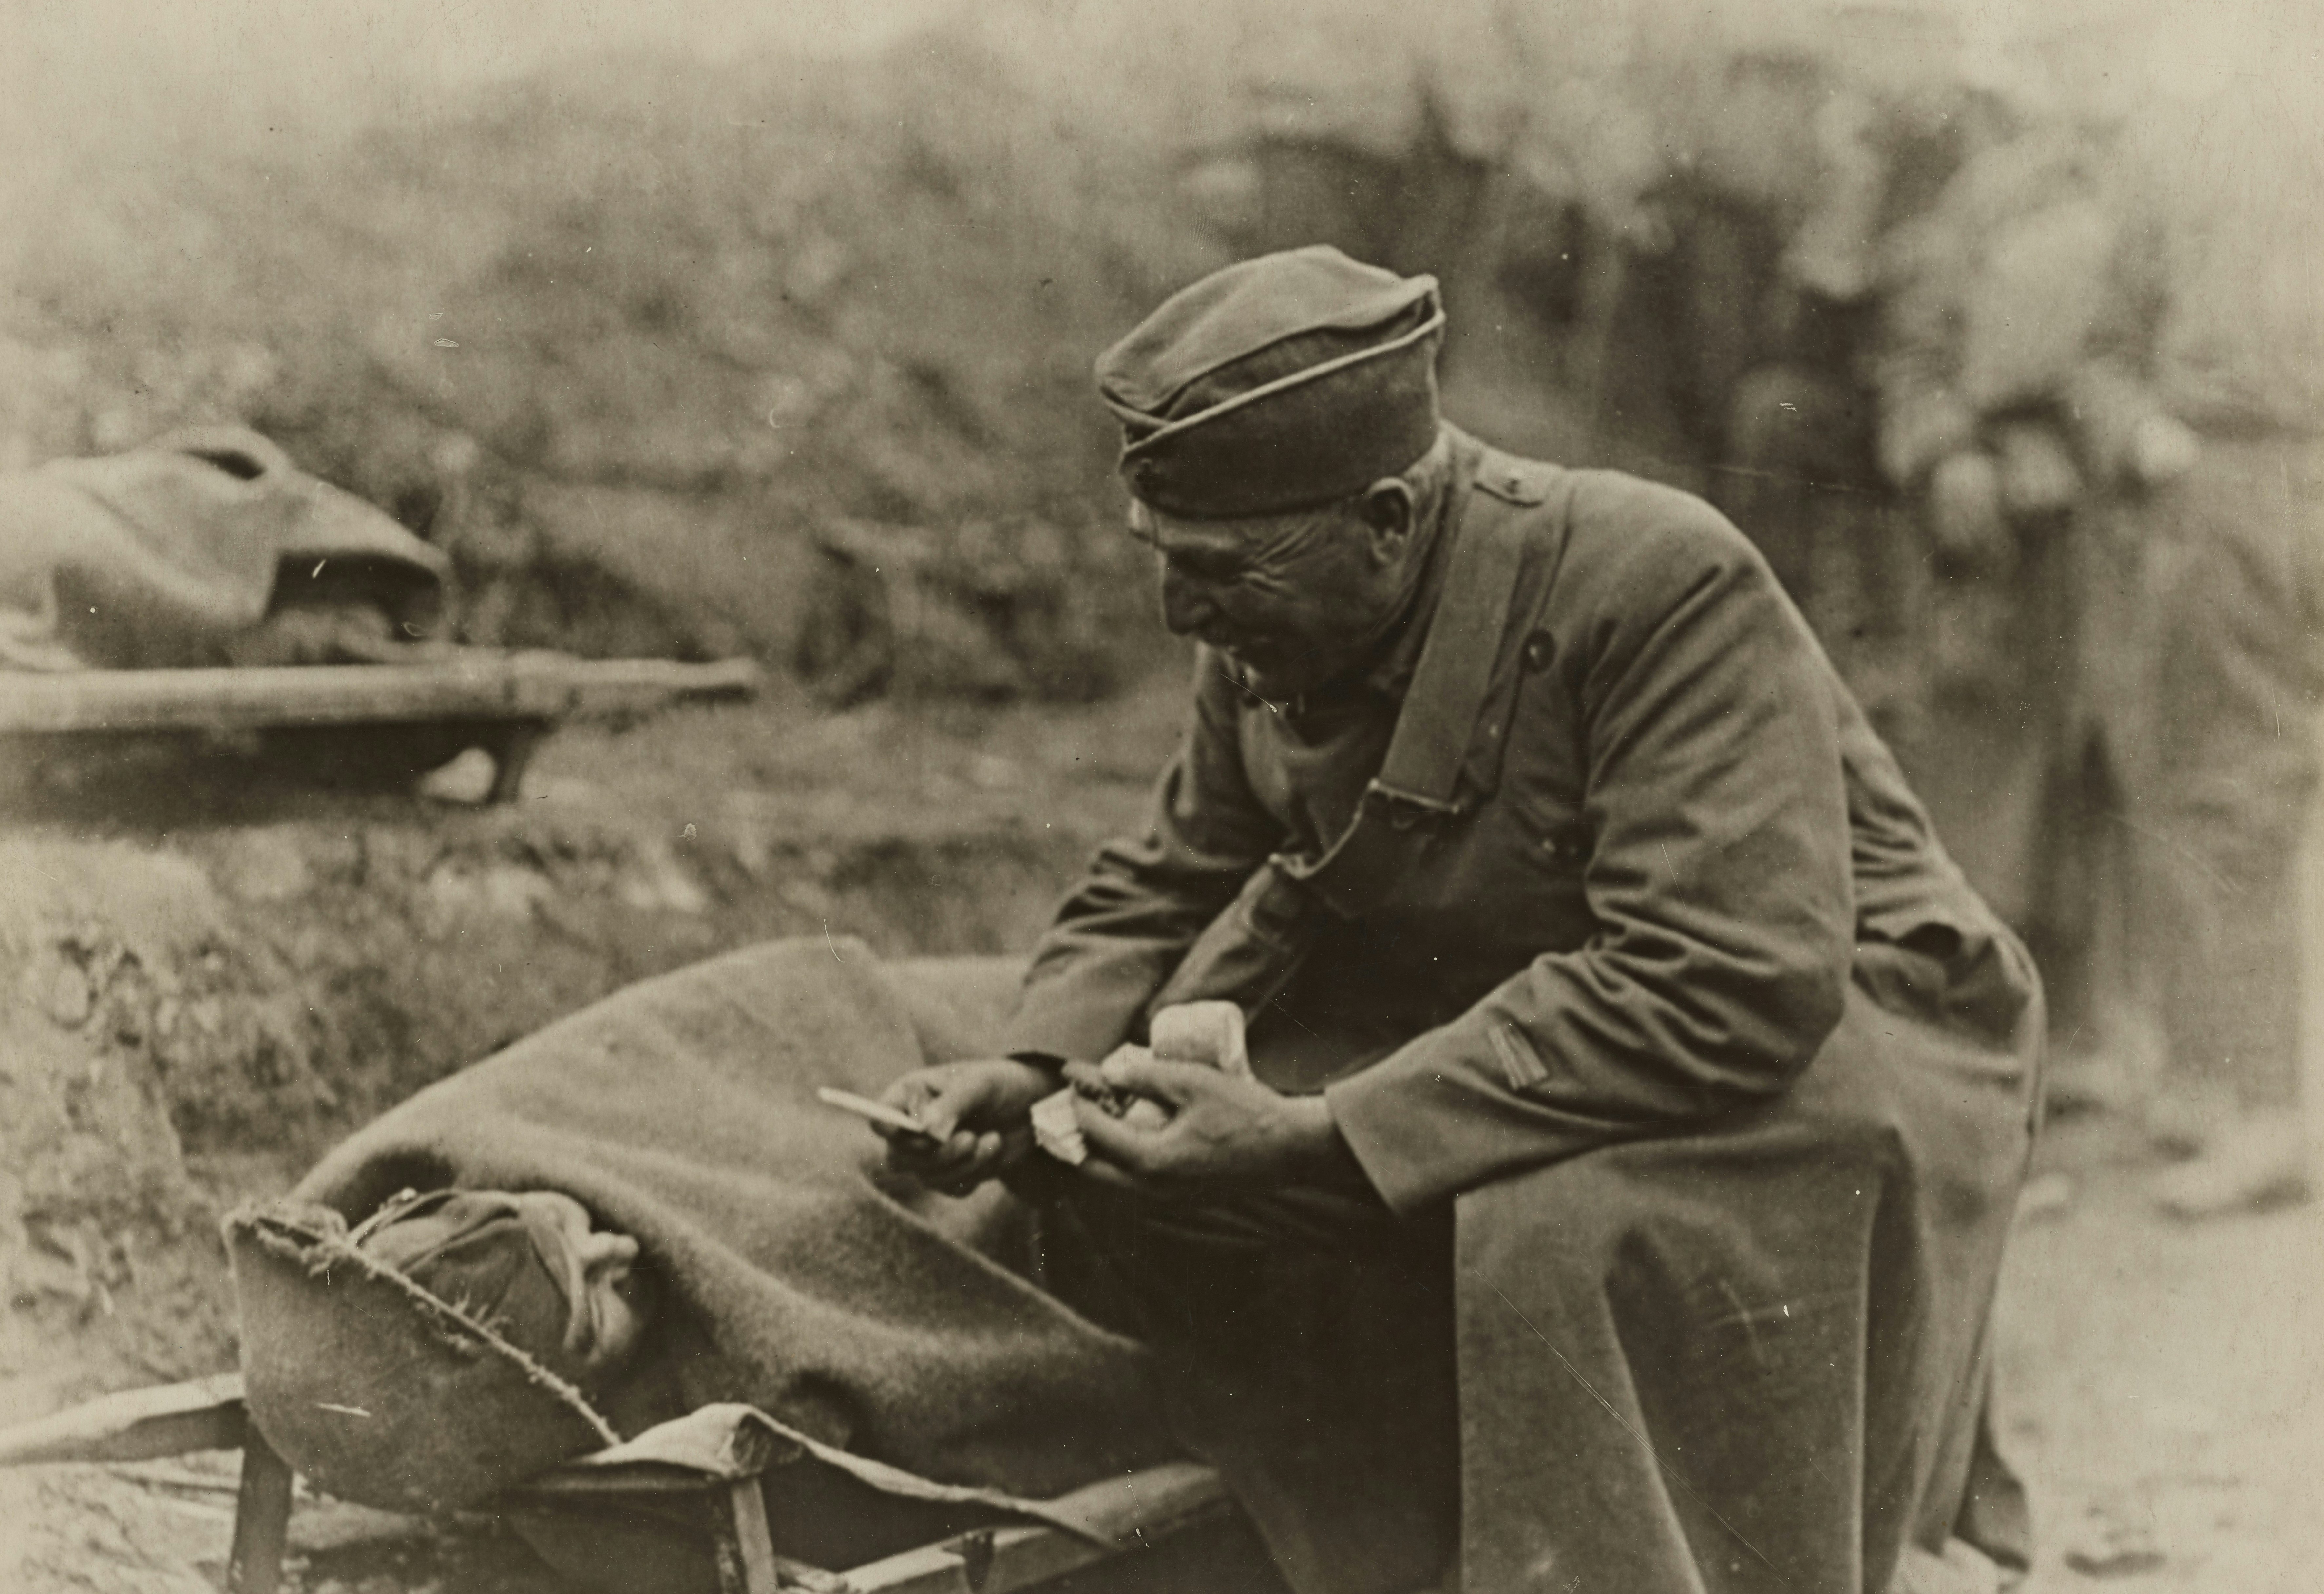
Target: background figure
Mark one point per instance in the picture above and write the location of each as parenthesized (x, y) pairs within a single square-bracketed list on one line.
[(2130, 772), (1799, 476), (1935, 381), (2200, 632)]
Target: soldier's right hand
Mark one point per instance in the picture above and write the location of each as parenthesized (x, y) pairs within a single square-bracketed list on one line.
[(975, 1114)]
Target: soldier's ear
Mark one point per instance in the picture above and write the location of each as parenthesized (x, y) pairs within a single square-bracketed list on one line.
[(1388, 514)]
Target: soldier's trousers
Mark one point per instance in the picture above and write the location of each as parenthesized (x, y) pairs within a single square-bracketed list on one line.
[(1752, 1357)]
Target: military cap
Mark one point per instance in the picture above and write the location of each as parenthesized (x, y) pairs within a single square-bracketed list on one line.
[(1278, 383)]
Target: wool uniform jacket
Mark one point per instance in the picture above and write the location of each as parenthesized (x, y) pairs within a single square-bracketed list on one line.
[(1680, 831), (1693, 1084)]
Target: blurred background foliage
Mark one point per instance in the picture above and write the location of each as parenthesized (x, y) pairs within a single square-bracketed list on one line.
[(695, 330)]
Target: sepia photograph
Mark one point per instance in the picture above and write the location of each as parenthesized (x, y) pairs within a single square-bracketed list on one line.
[(1240, 797)]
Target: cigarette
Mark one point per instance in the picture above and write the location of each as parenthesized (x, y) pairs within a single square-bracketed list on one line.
[(877, 1112)]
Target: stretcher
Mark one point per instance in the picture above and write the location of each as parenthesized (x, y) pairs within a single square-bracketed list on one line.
[(741, 1493), (503, 703)]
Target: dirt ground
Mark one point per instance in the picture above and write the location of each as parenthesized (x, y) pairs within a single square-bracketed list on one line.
[(2160, 1391), (2159, 1382)]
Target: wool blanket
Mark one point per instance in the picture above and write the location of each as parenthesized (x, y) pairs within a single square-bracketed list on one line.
[(862, 1313)]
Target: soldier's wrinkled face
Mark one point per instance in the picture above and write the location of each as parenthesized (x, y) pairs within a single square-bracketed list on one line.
[(1292, 600)]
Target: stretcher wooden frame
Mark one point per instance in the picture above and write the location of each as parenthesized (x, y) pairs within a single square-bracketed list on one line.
[(208, 1414), (507, 701)]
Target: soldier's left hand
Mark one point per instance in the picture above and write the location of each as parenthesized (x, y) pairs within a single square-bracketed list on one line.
[(1222, 1131)]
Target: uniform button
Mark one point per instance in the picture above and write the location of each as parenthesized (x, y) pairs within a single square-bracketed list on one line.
[(1539, 650), (1515, 482)]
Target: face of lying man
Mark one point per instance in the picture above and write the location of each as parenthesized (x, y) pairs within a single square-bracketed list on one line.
[(1292, 599), (608, 1308), (563, 1291)]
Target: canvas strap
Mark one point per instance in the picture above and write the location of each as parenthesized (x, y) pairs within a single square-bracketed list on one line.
[(1250, 952)]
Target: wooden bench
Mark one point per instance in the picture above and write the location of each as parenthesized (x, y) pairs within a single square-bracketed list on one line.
[(500, 701)]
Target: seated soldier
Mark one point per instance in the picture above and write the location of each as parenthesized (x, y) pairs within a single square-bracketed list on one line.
[(1639, 1094)]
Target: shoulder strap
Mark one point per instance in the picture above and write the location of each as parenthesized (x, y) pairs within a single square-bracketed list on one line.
[(1249, 952), (1438, 721), (1419, 787)]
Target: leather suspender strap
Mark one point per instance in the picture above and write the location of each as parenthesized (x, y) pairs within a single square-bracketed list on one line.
[(1249, 953), (1418, 786), (1439, 715)]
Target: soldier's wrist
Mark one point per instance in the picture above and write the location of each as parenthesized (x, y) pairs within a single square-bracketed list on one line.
[(1322, 1151)]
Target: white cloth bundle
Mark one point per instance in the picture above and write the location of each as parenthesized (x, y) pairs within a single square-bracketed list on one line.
[(1210, 1033)]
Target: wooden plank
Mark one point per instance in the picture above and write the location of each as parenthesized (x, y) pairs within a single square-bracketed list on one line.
[(1019, 1557), (135, 1425), (262, 1520), (489, 687), (512, 751), (1133, 1504), (726, 1550), (752, 1537), (564, 1484)]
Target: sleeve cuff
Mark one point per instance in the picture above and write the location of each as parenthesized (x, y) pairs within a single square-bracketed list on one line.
[(1063, 1029), (1400, 1149), (1432, 1121)]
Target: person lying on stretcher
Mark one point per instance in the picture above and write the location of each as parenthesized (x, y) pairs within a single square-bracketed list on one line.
[(573, 1296)]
